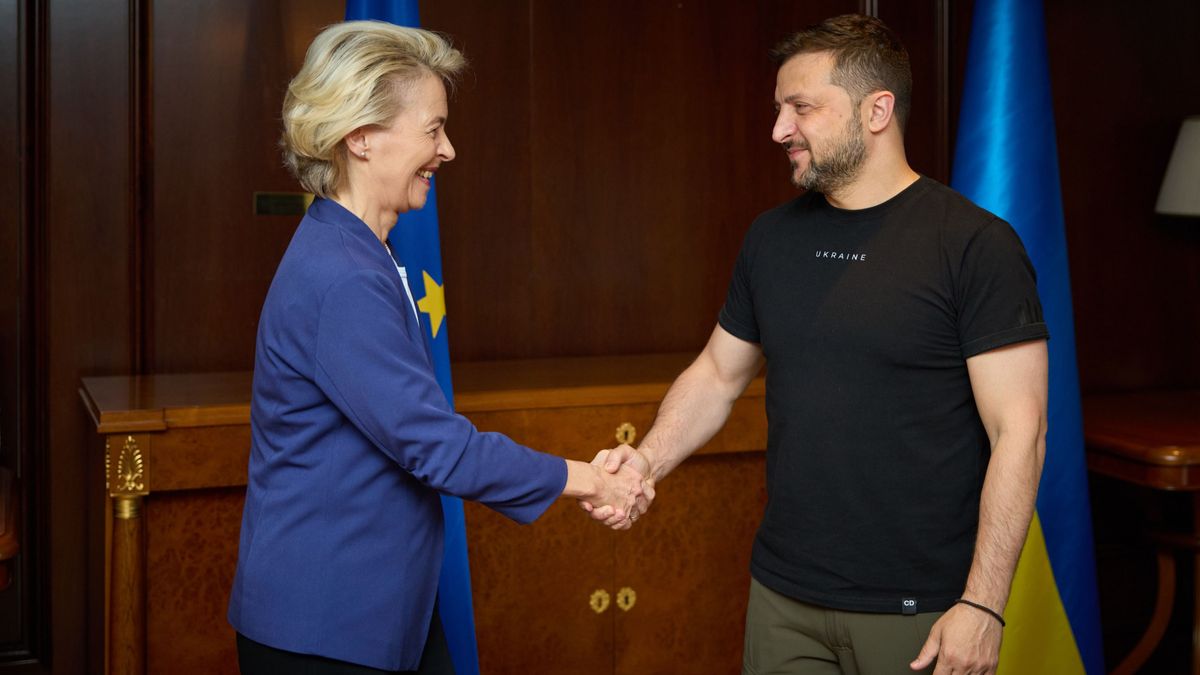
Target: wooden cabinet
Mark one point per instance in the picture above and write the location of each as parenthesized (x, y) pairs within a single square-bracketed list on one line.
[(175, 450), (565, 596), (672, 591), (171, 458)]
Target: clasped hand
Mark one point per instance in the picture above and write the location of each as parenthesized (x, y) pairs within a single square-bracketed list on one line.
[(628, 490)]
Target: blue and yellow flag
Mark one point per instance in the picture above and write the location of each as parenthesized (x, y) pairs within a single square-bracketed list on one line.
[(1007, 162), (415, 236)]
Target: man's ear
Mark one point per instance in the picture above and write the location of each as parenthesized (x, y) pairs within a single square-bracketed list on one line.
[(880, 110)]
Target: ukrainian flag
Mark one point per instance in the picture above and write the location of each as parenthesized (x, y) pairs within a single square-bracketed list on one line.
[(415, 236), (1006, 161)]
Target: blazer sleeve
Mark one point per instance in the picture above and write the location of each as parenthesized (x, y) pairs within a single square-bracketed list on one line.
[(380, 378)]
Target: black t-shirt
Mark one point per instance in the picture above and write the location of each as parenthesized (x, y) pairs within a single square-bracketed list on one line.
[(875, 451)]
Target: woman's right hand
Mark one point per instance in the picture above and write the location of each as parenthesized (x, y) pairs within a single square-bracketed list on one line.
[(613, 497)]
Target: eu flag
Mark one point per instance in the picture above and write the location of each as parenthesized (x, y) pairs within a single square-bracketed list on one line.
[(1006, 161), (415, 236)]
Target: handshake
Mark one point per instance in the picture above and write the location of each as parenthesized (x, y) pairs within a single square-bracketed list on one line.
[(624, 487)]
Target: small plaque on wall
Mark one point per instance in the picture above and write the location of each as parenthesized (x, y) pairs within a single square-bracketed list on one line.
[(281, 203)]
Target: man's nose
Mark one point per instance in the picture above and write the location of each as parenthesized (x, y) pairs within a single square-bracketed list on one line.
[(785, 127)]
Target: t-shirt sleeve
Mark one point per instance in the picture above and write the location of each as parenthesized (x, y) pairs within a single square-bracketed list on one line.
[(998, 303), (737, 316)]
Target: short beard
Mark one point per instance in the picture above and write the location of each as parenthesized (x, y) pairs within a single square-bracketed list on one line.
[(841, 167)]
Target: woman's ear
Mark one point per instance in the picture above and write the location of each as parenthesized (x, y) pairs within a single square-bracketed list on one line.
[(357, 143)]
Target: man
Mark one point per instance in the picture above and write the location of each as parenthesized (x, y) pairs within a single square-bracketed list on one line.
[(906, 386)]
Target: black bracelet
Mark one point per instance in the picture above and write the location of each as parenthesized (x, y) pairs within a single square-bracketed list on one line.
[(989, 610)]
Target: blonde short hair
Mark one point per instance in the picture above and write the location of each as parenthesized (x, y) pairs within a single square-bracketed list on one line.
[(354, 75)]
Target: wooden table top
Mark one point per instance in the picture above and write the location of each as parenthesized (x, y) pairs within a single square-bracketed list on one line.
[(127, 404), (1148, 437), (124, 404)]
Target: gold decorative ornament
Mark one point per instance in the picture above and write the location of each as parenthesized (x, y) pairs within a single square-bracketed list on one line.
[(127, 508), (599, 601), (626, 433), (126, 476), (626, 598)]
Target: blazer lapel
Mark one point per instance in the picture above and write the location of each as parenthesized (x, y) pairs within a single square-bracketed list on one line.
[(416, 328)]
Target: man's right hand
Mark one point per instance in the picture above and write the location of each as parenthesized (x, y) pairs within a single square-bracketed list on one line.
[(621, 459)]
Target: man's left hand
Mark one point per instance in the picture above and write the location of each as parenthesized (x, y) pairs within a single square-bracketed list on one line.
[(965, 641)]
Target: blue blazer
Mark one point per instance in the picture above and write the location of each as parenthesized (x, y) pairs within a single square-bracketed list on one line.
[(352, 441)]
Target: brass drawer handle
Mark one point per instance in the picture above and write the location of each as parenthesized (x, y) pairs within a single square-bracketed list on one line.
[(626, 597), (599, 601), (626, 433)]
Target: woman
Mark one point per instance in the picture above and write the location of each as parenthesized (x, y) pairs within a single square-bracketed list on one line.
[(353, 441)]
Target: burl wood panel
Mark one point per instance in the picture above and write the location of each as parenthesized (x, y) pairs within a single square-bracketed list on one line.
[(191, 553), (688, 560), (579, 433), (575, 433), (531, 586), (200, 457)]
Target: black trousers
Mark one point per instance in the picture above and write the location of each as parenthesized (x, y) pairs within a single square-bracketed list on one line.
[(259, 659)]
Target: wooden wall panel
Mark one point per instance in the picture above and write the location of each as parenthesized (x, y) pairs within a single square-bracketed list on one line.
[(584, 199), (484, 195), (1121, 90), (87, 276), (11, 235), (619, 193), (923, 27), (13, 607), (220, 70), (654, 156)]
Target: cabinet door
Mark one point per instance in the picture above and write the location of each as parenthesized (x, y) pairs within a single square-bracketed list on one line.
[(532, 587), (687, 562)]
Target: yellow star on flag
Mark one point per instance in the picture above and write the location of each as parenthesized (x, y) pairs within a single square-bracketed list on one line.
[(434, 302)]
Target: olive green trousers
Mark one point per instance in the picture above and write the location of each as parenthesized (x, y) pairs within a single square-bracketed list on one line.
[(789, 637)]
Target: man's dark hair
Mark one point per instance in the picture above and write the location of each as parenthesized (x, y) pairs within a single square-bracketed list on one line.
[(867, 57)]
